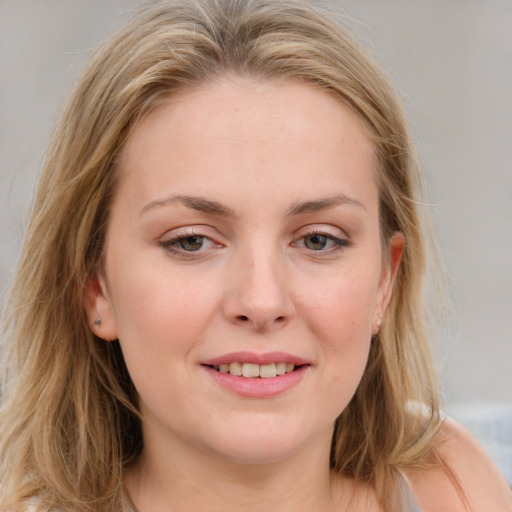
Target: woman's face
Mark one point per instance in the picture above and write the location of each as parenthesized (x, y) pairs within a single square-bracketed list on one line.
[(244, 237)]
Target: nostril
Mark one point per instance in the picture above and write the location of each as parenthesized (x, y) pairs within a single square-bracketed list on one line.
[(245, 318), (260, 323)]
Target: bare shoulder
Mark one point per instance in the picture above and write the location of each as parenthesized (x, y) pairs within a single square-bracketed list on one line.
[(464, 478), (479, 478)]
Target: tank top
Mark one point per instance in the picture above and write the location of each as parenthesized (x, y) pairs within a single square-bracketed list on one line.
[(409, 500)]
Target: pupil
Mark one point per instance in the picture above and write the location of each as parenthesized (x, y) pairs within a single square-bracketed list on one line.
[(191, 243), (316, 242)]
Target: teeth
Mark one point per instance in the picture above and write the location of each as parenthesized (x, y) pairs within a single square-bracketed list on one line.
[(250, 370), (235, 369), (267, 371), (280, 368)]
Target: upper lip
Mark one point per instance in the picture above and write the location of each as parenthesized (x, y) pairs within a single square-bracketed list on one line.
[(253, 358)]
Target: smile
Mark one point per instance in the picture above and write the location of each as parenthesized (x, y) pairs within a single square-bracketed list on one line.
[(252, 375), (252, 371)]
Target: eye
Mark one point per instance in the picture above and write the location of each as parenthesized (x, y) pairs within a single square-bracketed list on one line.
[(191, 243), (316, 242), (321, 242), (187, 244)]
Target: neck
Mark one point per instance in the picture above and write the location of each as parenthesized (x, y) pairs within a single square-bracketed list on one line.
[(188, 479)]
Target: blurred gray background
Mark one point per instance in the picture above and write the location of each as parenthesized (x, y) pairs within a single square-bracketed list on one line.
[(453, 61)]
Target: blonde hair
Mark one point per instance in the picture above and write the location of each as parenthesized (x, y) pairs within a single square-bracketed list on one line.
[(69, 423)]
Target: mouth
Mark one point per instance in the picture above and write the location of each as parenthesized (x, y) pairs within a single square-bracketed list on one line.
[(257, 376), (256, 371)]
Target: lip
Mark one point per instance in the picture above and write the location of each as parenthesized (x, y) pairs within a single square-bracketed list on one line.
[(253, 358), (257, 387)]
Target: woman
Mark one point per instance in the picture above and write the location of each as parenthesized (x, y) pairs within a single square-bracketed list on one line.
[(218, 305)]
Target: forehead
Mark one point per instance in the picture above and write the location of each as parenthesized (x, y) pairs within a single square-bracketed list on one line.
[(233, 132)]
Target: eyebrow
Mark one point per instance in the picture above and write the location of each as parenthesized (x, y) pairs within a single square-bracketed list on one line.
[(195, 202), (214, 207), (323, 204)]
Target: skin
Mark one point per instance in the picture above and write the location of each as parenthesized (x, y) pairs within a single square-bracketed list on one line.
[(278, 270)]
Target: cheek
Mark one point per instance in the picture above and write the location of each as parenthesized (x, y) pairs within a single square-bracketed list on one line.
[(341, 319), (343, 310), (157, 310), (161, 322)]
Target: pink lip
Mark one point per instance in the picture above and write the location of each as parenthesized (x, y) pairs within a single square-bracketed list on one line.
[(253, 358), (257, 387)]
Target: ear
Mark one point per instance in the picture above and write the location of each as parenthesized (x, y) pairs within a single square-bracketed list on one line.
[(98, 307), (389, 271)]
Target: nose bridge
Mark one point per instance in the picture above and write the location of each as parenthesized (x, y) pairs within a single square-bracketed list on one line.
[(259, 292)]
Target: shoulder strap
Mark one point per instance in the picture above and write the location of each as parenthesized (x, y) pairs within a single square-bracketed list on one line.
[(408, 503)]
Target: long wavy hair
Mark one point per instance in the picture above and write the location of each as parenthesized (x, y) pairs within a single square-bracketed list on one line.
[(69, 421)]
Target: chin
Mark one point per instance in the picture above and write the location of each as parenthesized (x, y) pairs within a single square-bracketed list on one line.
[(257, 453), (267, 443)]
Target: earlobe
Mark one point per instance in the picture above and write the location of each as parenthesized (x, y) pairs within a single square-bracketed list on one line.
[(98, 307), (390, 271)]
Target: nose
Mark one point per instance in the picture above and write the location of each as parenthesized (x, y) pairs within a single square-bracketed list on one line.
[(258, 294)]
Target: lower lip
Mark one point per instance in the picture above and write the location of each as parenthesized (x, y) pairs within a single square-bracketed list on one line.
[(258, 387)]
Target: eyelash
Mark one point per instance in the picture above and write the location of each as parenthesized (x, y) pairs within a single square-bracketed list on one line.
[(339, 243), (172, 243)]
